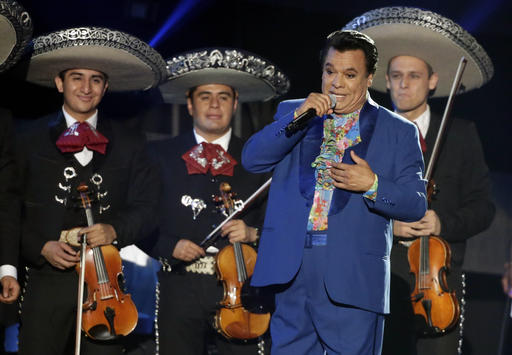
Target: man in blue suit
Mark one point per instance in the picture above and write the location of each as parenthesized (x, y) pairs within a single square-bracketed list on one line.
[(337, 184)]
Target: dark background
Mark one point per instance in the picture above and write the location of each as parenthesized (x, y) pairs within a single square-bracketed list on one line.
[(290, 34), (287, 32)]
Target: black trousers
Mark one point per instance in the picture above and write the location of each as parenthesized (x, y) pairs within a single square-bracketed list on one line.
[(48, 316), (400, 336), (187, 304)]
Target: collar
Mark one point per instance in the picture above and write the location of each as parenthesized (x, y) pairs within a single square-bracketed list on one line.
[(422, 121), (70, 120), (222, 141)]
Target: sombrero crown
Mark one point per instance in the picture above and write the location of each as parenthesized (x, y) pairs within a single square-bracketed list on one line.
[(15, 33), (255, 78), (129, 63), (429, 36)]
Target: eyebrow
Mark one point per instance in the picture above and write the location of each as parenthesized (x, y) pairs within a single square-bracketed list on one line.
[(327, 64), (75, 73), (219, 93)]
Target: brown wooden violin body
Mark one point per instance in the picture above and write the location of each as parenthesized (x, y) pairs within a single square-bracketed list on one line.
[(233, 320), (108, 312), (235, 265), (429, 259)]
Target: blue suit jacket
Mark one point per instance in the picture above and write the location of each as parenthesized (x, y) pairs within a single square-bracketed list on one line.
[(360, 230)]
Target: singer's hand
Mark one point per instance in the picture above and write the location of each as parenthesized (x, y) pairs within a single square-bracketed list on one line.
[(352, 177), (321, 103)]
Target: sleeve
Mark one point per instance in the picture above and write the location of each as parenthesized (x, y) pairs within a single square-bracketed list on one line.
[(269, 146), (9, 201), (475, 210), (138, 218), (403, 196)]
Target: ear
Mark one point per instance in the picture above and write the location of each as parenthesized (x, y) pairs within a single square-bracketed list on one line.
[(432, 81), (235, 102), (59, 84), (190, 107), (105, 87), (388, 83), (369, 80)]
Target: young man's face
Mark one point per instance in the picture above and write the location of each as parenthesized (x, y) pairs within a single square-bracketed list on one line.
[(212, 106), (83, 90), (344, 75), (409, 84)]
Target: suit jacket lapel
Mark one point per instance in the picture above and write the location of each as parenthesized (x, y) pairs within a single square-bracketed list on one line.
[(367, 122), (105, 127)]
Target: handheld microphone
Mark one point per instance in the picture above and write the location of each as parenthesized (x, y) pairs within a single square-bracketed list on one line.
[(301, 121)]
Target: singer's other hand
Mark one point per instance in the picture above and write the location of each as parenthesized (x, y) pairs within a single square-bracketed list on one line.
[(356, 177), (320, 102)]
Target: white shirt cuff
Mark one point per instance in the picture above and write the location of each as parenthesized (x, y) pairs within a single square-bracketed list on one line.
[(8, 270)]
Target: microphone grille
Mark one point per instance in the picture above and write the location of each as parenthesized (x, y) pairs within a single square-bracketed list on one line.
[(333, 100)]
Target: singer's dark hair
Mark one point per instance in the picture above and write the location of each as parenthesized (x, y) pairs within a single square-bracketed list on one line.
[(352, 40)]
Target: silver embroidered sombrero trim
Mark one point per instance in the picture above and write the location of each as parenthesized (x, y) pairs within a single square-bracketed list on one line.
[(99, 36), (430, 20), (234, 59), (22, 24)]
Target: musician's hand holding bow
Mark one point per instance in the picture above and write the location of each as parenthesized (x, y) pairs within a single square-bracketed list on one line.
[(186, 250), (428, 225), (237, 231), (60, 255)]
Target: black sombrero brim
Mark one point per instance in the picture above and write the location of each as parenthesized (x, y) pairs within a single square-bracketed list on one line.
[(254, 78), (15, 33), (428, 36), (129, 63)]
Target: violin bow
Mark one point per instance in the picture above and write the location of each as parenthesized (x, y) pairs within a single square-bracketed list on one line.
[(79, 309), (236, 211)]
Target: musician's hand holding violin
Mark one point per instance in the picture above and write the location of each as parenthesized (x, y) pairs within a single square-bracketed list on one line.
[(237, 231), (99, 234), (428, 225), (186, 250), (10, 289), (60, 254)]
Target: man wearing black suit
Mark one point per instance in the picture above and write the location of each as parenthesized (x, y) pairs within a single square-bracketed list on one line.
[(57, 153), (193, 166), (461, 208)]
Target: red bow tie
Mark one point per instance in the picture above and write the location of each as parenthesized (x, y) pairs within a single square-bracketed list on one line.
[(80, 135), (207, 156)]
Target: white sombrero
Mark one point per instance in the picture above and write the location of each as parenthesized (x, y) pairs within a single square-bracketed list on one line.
[(129, 63), (429, 36), (15, 33), (255, 78)]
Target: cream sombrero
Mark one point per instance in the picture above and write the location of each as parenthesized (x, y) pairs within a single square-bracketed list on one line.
[(255, 78), (15, 33), (424, 34), (130, 63)]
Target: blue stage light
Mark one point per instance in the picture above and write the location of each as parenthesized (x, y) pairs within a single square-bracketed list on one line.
[(174, 18), (477, 14)]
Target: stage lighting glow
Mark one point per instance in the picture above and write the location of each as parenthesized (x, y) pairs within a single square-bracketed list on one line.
[(477, 14), (174, 18)]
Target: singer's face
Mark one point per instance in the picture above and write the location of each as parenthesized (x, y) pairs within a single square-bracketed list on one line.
[(212, 107), (409, 83), (344, 75)]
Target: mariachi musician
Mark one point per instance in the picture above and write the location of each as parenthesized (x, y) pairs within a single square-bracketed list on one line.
[(419, 53), (16, 31), (211, 82), (77, 145)]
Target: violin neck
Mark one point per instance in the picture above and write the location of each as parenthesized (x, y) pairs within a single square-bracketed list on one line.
[(240, 262), (424, 267)]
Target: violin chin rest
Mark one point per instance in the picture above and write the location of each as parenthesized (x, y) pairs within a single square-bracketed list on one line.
[(100, 332)]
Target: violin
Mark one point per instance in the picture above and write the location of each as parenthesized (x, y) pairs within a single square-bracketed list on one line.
[(430, 256), (108, 312), (235, 265)]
